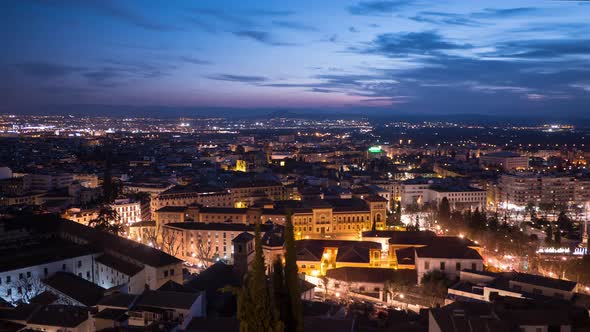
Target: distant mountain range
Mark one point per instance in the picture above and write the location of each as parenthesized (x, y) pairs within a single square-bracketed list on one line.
[(376, 114)]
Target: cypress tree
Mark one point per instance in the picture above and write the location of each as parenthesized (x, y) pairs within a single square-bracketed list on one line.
[(294, 314), (444, 211), (107, 182), (278, 287), (255, 306), (398, 213)]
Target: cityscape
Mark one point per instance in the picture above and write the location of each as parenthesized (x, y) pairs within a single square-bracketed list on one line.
[(407, 166)]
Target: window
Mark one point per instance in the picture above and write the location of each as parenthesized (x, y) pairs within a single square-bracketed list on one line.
[(458, 266), (171, 272), (166, 274), (362, 289), (426, 265), (9, 292), (79, 263), (21, 276), (87, 274), (63, 267), (7, 279), (29, 274), (473, 266), (376, 289), (442, 266)]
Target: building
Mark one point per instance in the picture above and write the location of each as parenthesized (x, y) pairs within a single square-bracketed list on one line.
[(508, 314), (447, 259), (401, 247), (504, 160), (316, 257), (36, 248), (366, 281), (476, 285), (524, 188), (82, 216), (334, 218), (203, 244), (461, 197), (129, 212), (190, 195), (154, 306)]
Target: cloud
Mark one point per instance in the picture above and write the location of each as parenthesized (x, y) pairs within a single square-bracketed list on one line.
[(582, 86), (353, 29), (321, 90), (442, 18), (132, 17), (504, 13), (224, 16), (46, 69), (551, 48), (241, 18), (115, 10), (117, 72), (378, 7), (260, 36), (419, 43), (194, 61), (293, 25), (238, 78)]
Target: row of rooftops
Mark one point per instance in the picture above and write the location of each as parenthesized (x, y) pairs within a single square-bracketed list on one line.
[(418, 238), (296, 206), (70, 239), (113, 306)]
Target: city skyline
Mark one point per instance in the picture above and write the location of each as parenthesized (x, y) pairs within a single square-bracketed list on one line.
[(521, 58)]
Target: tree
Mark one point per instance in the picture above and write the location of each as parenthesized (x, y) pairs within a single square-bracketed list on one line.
[(204, 253), (444, 211), (530, 210), (564, 222), (294, 316), (107, 220), (548, 233), (23, 289), (557, 235), (107, 181), (398, 213), (396, 286), (255, 306), (171, 244), (434, 286), (278, 287)]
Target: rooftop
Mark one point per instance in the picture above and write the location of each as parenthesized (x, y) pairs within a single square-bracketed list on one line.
[(118, 264), (371, 275), (76, 288), (167, 299)]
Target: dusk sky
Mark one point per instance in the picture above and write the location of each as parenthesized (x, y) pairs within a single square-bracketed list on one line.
[(490, 57)]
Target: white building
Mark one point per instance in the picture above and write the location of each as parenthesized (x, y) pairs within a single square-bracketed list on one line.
[(449, 260), (505, 160), (129, 211), (419, 192)]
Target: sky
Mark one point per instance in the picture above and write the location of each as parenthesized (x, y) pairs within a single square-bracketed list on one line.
[(513, 57)]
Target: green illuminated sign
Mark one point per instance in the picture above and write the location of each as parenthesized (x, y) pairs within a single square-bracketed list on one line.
[(375, 149)]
